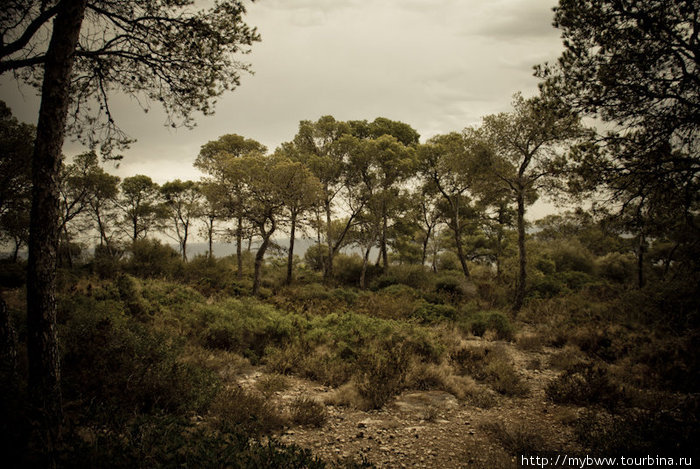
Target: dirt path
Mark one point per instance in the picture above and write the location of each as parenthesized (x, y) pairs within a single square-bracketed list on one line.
[(432, 429)]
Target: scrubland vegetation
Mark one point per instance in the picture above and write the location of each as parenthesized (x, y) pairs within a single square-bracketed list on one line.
[(152, 347), (426, 275)]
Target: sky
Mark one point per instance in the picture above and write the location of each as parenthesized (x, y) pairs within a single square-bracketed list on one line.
[(437, 65)]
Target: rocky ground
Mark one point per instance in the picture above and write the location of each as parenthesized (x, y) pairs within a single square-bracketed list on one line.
[(433, 428)]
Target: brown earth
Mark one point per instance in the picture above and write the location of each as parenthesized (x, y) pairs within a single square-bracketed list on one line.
[(433, 429)]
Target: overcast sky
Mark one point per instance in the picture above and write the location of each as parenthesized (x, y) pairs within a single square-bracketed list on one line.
[(438, 65)]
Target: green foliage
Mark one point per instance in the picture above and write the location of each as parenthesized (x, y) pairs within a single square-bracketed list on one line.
[(414, 276), (382, 373), (431, 313), (151, 258), (99, 366), (315, 257), (106, 262), (495, 321), (616, 267)]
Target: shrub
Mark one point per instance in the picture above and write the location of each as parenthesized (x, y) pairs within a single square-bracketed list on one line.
[(504, 379), (449, 284), (495, 321), (106, 262), (307, 411), (616, 267), (640, 432), (119, 364), (151, 258), (571, 256), (163, 441), (430, 313), (584, 384), (239, 411), (518, 438), (270, 384), (382, 373), (315, 257), (131, 296)]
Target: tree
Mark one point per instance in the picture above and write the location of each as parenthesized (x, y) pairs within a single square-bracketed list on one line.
[(265, 182), (527, 157), (213, 209), (304, 195), (319, 146), (141, 206), (449, 164), (80, 182), (214, 159), (635, 66), (159, 51), (15, 178), (102, 201), (184, 201)]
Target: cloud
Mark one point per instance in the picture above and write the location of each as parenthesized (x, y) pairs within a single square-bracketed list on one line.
[(513, 20)]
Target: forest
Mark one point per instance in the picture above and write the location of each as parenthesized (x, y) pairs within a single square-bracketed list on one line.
[(429, 319)]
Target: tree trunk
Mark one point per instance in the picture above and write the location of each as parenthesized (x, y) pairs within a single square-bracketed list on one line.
[(426, 240), (184, 243), (67, 252), (290, 258), (42, 344), (522, 255), (260, 256), (458, 241), (239, 243), (8, 350), (365, 260), (328, 274), (210, 234), (385, 223), (15, 252)]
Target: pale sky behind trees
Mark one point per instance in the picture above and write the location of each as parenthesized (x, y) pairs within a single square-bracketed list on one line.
[(437, 65)]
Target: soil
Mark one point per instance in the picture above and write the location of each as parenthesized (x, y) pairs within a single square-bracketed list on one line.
[(433, 429)]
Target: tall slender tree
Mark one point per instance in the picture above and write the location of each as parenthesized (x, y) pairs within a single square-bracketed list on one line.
[(528, 156), (163, 51)]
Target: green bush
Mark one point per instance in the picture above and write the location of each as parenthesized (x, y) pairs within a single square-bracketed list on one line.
[(151, 258), (431, 313), (571, 256), (121, 365), (495, 321), (106, 263), (616, 267), (315, 257)]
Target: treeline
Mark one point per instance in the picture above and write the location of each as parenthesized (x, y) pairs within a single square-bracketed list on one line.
[(361, 184)]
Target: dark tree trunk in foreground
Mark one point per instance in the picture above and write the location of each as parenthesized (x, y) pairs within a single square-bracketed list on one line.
[(42, 346), (522, 273)]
